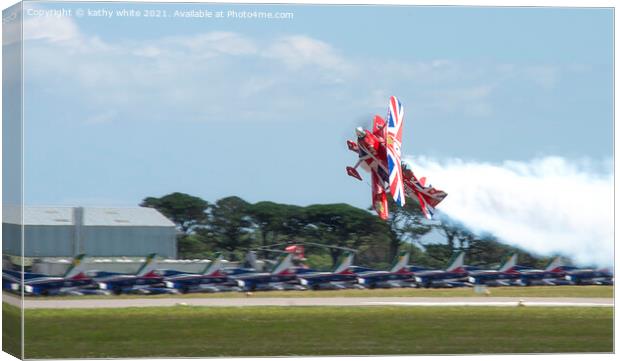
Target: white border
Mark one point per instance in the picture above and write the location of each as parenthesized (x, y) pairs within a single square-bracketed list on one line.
[(504, 3)]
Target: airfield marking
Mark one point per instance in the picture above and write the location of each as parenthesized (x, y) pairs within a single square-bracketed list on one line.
[(496, 304), (312, 301)]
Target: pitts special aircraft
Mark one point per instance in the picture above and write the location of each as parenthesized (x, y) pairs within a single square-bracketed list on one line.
[(379, 153)]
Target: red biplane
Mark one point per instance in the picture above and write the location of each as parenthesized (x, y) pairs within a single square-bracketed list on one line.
[(379, 153)]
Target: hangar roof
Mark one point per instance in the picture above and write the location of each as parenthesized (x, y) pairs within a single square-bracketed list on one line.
[(93, 216)]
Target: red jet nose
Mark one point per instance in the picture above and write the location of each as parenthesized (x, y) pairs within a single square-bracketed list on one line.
[(353, 173)]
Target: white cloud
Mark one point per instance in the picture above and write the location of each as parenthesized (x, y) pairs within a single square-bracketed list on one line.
[(545, 76), (473, 100), (53, 29), (548, 205), (298, 51), (205, 74), (211, 44), (101, 117)]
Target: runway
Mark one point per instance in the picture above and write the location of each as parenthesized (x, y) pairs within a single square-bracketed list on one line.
[(31, 303)]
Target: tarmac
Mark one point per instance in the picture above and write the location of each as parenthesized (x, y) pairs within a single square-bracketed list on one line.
[(32, 303)]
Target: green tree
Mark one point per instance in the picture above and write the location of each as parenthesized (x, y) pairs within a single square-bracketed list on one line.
[(454, 231), (437, 255), (193, 246), (184, 210), (406, 224), (229, 225), (273, 221), (342, 225)]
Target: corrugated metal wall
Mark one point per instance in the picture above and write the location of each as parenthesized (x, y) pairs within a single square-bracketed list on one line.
[(59, 241), (128, 241), (40, 241), (11, 239)]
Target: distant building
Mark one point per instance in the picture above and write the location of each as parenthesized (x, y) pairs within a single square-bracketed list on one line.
[(98, 232)]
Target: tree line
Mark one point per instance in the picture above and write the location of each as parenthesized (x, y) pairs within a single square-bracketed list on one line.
[(235, 226)]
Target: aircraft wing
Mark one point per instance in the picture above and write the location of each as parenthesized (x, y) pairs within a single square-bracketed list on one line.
[(428, 196), (433, 196), (426, 210), (378, 127), (394, 136), (379, 198)]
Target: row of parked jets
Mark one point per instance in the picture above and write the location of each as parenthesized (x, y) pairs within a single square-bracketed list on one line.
[(216, 277)]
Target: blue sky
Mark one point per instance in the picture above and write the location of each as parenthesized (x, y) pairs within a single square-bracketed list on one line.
[(124, 108)]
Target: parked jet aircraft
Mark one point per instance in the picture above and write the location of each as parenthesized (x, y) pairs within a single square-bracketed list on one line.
[(73, 278), (505, 275), (455, 275), (11, 279), (590, 277), (400, 275), (379, 153), (146, 280), (343, 276), (554, 274), (278, 279), (208, 280)]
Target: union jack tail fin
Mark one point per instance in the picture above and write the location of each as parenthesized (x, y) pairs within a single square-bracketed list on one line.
[(457, 262), (394, 139), (347, 261)]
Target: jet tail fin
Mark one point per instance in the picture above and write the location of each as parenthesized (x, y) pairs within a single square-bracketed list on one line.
[(401, 262), (284, 266), (214, 267), (148, 266), (347, 261), (76, 268), (250, 260), (456, 262), (554, 264), (509, 264)]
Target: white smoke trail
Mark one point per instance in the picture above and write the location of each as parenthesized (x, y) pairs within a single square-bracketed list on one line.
[(547, 206)]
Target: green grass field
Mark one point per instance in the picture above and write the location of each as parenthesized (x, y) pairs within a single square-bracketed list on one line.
[(11, 329), (535, 291), (271, 331)]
